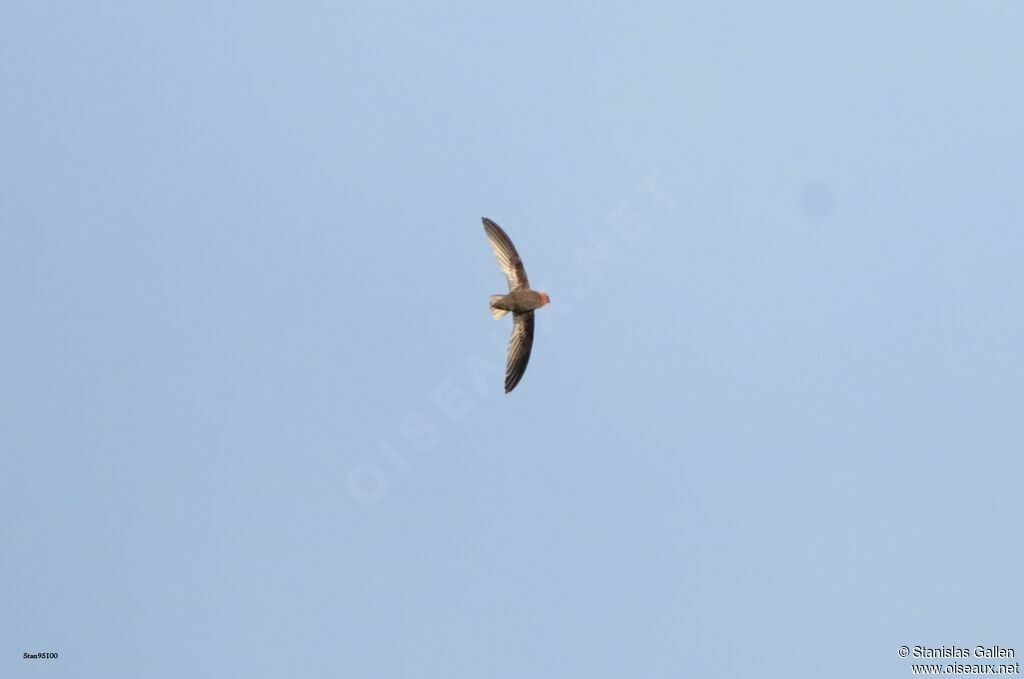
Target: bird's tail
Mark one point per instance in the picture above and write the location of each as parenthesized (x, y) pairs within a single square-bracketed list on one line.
[(497, 313)]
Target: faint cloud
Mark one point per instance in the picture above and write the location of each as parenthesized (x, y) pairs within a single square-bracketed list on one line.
[(817, 201), (367, 483)]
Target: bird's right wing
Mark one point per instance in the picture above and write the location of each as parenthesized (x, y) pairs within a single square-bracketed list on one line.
[(519, 347), (508, 258)]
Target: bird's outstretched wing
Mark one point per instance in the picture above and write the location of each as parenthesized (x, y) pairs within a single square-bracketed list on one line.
[(519, 346), (508, 258)]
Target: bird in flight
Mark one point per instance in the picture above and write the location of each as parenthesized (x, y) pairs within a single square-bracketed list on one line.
[(520, 300)]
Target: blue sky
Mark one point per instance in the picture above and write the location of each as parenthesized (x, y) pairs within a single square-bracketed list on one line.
[(251, 421)]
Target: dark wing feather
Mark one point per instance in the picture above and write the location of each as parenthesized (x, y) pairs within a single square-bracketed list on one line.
[(508, 258), (519, 347)]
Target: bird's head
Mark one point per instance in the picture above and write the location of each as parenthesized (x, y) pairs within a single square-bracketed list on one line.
[(544, 299)]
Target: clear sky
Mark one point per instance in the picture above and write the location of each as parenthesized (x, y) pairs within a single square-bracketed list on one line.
[(251, 420)]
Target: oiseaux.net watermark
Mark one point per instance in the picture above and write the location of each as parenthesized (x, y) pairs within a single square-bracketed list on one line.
[(453, 397), (960, 659)]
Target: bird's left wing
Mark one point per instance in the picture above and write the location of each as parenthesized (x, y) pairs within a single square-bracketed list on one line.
[(519, 346), (508, 258)]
